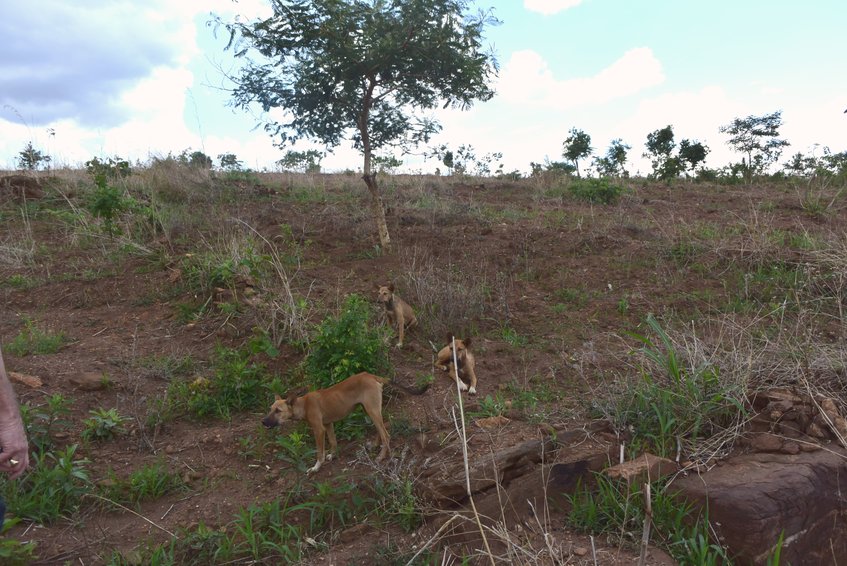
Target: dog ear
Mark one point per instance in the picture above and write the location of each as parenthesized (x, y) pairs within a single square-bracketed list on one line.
[(467, 342), (449, 338), (277, 397), (291, 398), (391, 287)]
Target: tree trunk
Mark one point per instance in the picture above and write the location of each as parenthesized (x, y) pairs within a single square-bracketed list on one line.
[(378, 210)]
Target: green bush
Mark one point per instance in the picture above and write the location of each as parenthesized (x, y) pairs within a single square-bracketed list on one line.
[(597, 191), (237, 384), (33, 340), (347, 344), (53, 487), (103, 425)]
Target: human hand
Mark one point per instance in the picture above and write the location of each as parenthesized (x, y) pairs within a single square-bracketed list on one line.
[(14, 458)]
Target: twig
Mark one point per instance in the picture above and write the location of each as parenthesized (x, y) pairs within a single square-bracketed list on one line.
[(648, 519), (115, 503), (593, 550), (464, 435), (432, 539)]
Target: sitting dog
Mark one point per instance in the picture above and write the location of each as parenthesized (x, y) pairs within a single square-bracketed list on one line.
[(397, 310), (465, 360), (323, 407)]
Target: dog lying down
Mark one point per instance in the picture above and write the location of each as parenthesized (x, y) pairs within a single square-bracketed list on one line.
[(464, 359), (323, 407)]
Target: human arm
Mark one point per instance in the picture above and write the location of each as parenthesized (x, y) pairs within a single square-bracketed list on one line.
[(14, 458)]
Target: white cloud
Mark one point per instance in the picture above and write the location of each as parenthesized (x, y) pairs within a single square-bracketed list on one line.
[(527, 79), (549, 7)]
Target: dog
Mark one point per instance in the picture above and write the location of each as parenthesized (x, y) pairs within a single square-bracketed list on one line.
[(464, 359), (397, 310), (323, 407)]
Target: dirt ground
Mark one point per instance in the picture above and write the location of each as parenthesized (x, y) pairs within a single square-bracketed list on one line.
[(564, 281)]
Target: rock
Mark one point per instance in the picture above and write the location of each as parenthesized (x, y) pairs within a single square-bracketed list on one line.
[(497, 421), (90, 381), (752, 498), (580, 551), (354, 533), (28, 380), (765, 442), (815, 431), (790, 447), (646, 467)]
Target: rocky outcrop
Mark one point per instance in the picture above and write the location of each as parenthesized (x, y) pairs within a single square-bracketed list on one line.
[(753, 498)]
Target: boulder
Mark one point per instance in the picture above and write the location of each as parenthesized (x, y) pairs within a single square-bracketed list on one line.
[(646, 467), (753, 498)]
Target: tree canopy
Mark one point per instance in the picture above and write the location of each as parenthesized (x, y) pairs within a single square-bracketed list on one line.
[(576, 147), (757, 137), (361, 70)]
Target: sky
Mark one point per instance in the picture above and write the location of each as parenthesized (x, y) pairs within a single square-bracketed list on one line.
[(144, 78)]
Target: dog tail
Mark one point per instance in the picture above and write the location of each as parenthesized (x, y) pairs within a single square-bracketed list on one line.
[(409, 390)]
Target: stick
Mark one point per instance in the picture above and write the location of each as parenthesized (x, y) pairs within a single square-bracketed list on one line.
[(107, 500), (648, 518), (463, 432)]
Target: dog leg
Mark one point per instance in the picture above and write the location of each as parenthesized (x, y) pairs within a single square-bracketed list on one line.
[(401, 325), (333, 445), (320, 437), (374, 411), (472, 377)]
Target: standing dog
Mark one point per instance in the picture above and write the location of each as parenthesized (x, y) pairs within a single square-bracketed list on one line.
[(397, 310), (465, 360), (323, 407)]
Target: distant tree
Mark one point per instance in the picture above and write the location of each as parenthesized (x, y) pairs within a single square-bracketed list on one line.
[(360, 69), (229, 162), (577, 146), (692, 154), (613, 163), (195, 159), (31, 159), (757, 137), (302, 161), (660, 145), (386, 163)]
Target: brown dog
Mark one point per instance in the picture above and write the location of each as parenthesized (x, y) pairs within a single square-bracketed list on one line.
[(465, 360), (323, 407), (397, 310)]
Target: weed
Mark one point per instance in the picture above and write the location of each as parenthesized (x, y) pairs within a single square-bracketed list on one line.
[(103, 425), (398, 502), (296, 448), (237, 384), (623, 306), (572, 296), (41, 421), (147, 483), (512, 338), (18, 281), (12, 551), (33, 340), (54, 486), (347, 344), (674, 404), (596, 191), (490, 406)]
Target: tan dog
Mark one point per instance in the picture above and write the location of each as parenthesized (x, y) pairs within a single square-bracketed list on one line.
[(397, 310), (465, 360), (323, 407)]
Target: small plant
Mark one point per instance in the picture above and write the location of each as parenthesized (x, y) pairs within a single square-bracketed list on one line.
[(103, 425), (149, 482), (41, 421), (491, 406), (623, 305), (18, 281), (107, 203), (296, 448), (12, 551), (33, 341), (596, 191), (347, 344), (53, 488), (512, 338)]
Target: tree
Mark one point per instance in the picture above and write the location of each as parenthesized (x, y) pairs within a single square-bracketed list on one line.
[(230, 162), (363, 70), (577, 146), (612, 164), (757, 137), (660, 144), (303, 161), (692, 154), (195, 159), (31, 158)]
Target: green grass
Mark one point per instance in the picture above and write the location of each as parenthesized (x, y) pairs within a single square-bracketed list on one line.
[(32, 340), (150, 482)]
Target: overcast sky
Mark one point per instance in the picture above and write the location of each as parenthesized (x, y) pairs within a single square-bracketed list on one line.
[(141, 78)]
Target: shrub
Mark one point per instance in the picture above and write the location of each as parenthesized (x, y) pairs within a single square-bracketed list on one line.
[(41, 421), (597, 191), (103, 425), (53, 488), (347, 344), (33, 340)]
